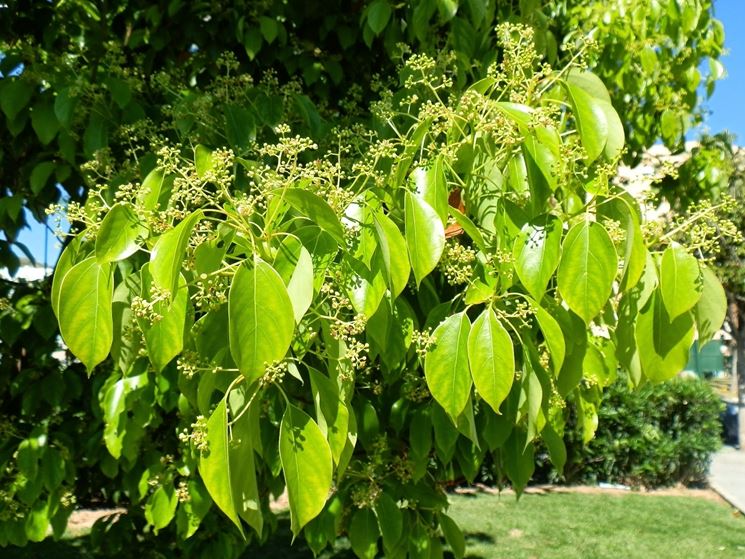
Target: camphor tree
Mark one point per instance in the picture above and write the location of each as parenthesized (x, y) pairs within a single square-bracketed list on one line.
[(115, 85), (363, 318)]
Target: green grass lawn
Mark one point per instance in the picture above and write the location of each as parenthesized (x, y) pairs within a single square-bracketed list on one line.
[(541, 526)]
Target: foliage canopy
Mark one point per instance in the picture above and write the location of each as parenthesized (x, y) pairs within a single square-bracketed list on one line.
[(354, 284)]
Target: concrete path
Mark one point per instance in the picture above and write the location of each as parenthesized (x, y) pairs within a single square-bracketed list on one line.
[(727, 476)]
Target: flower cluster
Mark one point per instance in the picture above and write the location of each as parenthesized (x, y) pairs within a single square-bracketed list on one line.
[(197, 436), (457, 263)]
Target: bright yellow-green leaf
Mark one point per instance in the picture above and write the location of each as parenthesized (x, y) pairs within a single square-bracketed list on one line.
[(317, 210), (367, 287), (536, 253), (155, 185), (430, 184), (553, 335), (663, 343), (164, 338), (446, 365), (491, 358), (711, 308), (593, 87), (425, 236), (307, 464), (294, 264), (119, 234), (66, 261), (161, 507), (587, 269), (469, 227), (85, 314), (393, 250), (214, 464), (261, 322), (242, 467), (681, 283), (332, 413), (167, 255), (203, 160), (114, 405)]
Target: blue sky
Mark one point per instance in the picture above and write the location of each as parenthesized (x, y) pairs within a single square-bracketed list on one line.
[(726, 106)]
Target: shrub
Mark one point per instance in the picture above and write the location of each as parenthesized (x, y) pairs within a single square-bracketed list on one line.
[(659, 435)]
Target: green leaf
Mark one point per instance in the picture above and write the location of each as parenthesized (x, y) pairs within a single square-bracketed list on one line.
[(363, 534), (37, 521), (317, 210), (156, 182), (431, 185), (64, 107), (542, 146), (161, 507), (66, 261), (491, 358), (240, 126), (241, 458), (711, 309), (322, 248), (663, 344), (294, 264), (119, 234), (390, 520), (390, 329), (268, 28), (261, 318), (164, 338), (214, 465), (378, 15), (593, 87), (425, 236), (192, 511), (587, 269), (14, 96), (672, 127), (592, 123), (681, 283), (203, 162), (392, 246), (453, 535), (332, 414), (307, 464), (44, 122), (96, 135), (624, 209), (536, 253), (40, 175), (114, 405), (469, 227), (519, 459), (447, 9), (85, 315), (446, 365), (553, 335), (168, 253), (556, 448), (367, 287)]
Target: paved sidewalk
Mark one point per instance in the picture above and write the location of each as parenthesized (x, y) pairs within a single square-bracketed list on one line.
[(727, 476)]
